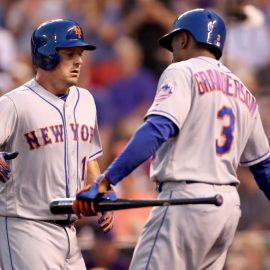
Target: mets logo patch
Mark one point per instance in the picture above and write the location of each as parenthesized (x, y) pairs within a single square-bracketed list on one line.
[(166, 89), (75, 32)]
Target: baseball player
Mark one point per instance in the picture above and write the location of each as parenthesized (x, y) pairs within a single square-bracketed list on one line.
[(203, 123), (51, 123)]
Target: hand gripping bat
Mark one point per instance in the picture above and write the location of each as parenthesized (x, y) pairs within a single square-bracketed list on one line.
[(64, 205)]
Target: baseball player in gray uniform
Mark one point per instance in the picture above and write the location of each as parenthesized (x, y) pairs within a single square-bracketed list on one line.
[(202, 125), (52, 124)]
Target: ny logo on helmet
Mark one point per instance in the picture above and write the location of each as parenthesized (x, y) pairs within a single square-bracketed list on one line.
[(211, 26), (211, 37), (78, 31)]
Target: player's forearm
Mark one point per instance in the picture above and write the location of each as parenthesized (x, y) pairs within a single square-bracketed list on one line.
[(93, 171), (144, 143), (261, 173)]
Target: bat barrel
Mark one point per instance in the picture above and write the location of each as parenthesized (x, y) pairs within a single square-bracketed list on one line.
[(218, 200), (61, 206)]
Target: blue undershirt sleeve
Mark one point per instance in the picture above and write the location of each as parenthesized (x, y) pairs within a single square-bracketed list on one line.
[(261, 173), (144, 143)]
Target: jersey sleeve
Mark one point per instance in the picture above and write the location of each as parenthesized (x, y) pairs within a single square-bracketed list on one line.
[(97, 147), (8, 118), (173, 95), (257, 147), (149, 136), (261, 173)]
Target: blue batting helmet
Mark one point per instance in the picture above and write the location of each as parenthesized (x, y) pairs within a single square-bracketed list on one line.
[(206, 27), (53, 35)]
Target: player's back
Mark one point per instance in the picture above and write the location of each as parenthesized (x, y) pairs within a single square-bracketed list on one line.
[(216, 114)]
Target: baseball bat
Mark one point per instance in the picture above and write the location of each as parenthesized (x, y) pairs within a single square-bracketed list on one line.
[(9, 156), (64, 205)]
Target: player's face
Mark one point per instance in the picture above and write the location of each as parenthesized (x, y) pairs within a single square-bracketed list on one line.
[(68, 70)]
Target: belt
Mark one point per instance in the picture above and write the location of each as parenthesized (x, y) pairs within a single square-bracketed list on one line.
[(62, 223), (159, 185)]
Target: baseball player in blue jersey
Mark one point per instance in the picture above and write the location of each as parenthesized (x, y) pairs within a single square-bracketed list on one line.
[(51, 123), (202, 125)]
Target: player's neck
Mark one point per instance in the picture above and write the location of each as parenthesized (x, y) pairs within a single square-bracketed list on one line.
[(54, 86), (204, 53)]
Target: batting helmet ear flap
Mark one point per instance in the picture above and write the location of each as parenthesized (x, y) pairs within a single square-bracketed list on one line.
[(48, 62), (44, 55)]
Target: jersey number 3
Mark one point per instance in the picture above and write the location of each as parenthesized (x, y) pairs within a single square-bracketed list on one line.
[(224, 143)]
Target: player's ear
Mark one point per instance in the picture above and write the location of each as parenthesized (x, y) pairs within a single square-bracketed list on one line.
[(184, 39), (180, 40)]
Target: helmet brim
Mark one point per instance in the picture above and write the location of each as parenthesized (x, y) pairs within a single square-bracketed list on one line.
[(166, 40), (76, 43)]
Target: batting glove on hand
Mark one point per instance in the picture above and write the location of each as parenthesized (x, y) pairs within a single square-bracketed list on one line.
[(4, 167), (100, 189), (106, 221)]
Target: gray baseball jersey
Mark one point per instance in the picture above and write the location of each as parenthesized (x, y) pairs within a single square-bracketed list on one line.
[(220, 128), (55, 139), (218, 121)]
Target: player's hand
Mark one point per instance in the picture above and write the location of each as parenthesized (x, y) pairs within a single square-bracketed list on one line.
[(100, 189), (106, 221), (4, 167)]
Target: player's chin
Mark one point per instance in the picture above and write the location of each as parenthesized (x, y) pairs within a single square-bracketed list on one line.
[(73, 80)]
